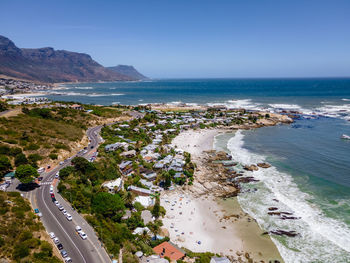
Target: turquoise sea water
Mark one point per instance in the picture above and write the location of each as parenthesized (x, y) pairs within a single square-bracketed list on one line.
[(310, 176)]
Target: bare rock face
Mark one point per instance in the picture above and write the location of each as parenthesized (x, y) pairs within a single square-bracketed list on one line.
[(251, 168), (264, 165)]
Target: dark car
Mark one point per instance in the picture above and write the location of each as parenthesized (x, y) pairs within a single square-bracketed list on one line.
[(40, 178), (91, 146), (53, 199), (64, 253), (60, 246)]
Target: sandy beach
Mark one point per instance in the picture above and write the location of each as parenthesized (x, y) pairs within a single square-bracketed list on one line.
[(205, 223)]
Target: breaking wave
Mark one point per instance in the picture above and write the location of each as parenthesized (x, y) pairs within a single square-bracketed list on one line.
[(321, 239)]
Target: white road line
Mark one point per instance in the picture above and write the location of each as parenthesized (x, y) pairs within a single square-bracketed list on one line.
[(42, 196)]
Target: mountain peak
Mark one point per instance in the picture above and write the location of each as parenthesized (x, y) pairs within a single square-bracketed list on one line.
[(49, 65), (128, 71)]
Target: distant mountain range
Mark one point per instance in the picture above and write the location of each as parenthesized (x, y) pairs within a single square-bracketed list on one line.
[(52, 66)]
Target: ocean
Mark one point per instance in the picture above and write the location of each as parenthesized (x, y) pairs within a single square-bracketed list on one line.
[(310, 173)]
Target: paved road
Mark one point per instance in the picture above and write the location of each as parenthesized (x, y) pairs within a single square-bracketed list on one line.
[(85, 251)]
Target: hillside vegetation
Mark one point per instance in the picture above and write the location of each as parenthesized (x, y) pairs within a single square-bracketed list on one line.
[(22, 236), (41, 135)]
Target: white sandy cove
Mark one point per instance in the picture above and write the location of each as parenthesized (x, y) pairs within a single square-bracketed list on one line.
[(193, 224)]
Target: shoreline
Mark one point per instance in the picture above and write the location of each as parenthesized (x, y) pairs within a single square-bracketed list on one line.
[(195, 214)]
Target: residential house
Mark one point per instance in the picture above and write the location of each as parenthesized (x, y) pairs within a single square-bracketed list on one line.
[(139, 190), (129, 154), (170, 250), (76, 107), (114, 186)]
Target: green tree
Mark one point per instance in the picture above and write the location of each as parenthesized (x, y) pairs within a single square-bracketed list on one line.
[(107, 204), (66, 171), (154, 227), (5, 165), (20, 159), (82, 165), (156, 208), (3, 106), (26, 173)]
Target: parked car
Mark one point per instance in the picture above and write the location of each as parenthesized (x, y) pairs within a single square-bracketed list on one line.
[(77, 228), (36, 210), (64, 253), (40, 214), (57, 203), (51, 191), (41, 170), (40, 178), (52, 235), (52, 195), (57, 175), (61, 207), (69, 217), (68, 260), (60, 246), (56, 240), (61, 163), (53, 199), (64, 211)]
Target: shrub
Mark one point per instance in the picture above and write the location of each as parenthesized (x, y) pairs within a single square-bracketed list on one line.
[(20, 159), (53, 156), (14, 151), (11, 141), (5, 165), (32, 147)]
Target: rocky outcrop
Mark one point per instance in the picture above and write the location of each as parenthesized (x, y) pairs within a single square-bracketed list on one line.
[(251, 168), (264, 165)]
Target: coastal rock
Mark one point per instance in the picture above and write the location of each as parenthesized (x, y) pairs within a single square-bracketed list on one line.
[(251, 168), (264, 165), (273, 208), (284, 233), (246, 179)]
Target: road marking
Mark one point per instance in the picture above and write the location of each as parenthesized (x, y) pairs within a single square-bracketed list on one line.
[(42, 196)]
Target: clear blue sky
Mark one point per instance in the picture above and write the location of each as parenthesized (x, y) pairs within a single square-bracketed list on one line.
[(184, 38)]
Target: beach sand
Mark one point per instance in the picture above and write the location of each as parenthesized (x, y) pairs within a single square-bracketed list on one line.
[(205, 223)]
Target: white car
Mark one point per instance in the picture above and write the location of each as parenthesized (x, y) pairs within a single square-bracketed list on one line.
[(57, 175), (82, 235), (67, 260), (77, 228), (61, 163), (51, 191), (52, 235), (64, 211), (57, 203), (69, 217), (56, 240)]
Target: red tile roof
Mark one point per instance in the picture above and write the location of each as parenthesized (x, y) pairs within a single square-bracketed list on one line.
[(168, 250)]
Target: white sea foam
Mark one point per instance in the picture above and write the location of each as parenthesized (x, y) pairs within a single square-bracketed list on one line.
[(285, 106), (84, 88), (336, 111), (322, 239), (345, 99)]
